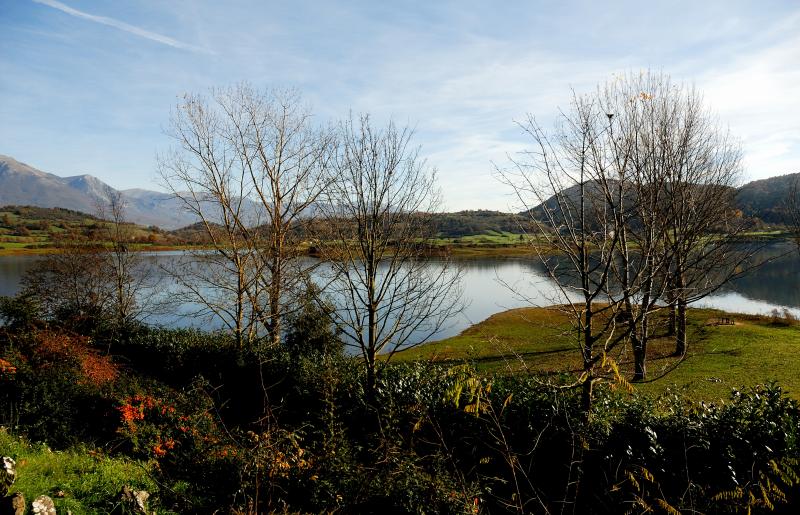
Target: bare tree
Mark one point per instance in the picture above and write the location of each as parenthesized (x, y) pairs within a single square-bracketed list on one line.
[(568, 184), (132, 283), (643, 111), (702, 164), (250, 166), (95, 277), (375, 236), (635, 188), (71, 285)]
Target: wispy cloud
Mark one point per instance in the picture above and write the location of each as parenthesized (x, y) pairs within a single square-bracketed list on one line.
[(132, 29)]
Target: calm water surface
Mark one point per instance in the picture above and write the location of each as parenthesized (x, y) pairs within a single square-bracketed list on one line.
[(492, 285)]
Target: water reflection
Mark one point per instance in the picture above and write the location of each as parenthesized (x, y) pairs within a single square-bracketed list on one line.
[(492, 285)]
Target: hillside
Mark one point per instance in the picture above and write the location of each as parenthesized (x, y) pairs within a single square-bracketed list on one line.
[(31, 228), (22, 184), (766, 199), (474, 222)]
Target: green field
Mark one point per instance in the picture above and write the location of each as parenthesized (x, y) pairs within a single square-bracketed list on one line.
[(720, 357), (35, 230), (487, 238)]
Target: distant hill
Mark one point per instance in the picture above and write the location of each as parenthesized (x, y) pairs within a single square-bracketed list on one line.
[(33, 227), (763, 200), (766, 199), (22, 184), (467, 223)]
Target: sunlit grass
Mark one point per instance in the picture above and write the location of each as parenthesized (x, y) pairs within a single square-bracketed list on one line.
[(542, 341), (80, 481)]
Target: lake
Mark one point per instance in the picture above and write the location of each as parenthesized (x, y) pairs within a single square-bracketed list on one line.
[(496, 284)]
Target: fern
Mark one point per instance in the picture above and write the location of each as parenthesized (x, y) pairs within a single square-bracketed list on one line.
[(767, 491)]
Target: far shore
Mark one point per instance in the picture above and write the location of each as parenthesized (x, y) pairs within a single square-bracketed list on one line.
[(466, 249)]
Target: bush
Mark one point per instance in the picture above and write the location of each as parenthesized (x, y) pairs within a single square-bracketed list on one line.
[(61, 390), (311, 329), (228, 429)]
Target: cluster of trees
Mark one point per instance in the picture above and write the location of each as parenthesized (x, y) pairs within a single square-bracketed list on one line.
[(635, 191), (266, 183), (94, 279)]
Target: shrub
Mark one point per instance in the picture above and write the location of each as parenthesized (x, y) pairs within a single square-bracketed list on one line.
[(61, 390)]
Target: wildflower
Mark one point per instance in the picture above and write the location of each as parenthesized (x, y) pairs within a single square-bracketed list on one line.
[(159, 451)]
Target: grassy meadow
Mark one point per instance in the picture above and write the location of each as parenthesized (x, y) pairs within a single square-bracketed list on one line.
[(720, 357)]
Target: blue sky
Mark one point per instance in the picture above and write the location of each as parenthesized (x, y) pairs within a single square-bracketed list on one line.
[(86, 87)]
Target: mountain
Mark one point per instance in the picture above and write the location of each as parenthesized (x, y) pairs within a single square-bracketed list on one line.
[(21, 184)]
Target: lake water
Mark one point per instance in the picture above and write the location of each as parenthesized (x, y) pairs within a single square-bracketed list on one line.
[(492, 285)]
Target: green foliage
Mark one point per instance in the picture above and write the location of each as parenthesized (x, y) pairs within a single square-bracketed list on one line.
[(19, 312), (220, 429), (311, 329)]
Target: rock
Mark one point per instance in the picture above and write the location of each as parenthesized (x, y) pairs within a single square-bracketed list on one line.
[(18, 503), (43, 505), (135, 500), (12, 505), (8, 474)]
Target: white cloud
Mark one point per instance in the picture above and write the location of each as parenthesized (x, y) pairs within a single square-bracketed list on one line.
[(756, 93)]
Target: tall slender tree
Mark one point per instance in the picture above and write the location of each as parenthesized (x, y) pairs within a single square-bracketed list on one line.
[(375, 234)]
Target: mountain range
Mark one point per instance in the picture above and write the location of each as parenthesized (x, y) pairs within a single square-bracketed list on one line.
[(22, 184)]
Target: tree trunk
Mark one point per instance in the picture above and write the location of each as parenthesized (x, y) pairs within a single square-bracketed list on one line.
[(587, 394), (671, 320), (680, 333), (371, 385), (588, 342), (680, 316), (639, 358), (275, 300)]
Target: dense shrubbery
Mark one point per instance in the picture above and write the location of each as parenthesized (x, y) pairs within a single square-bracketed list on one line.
[(288, 428)]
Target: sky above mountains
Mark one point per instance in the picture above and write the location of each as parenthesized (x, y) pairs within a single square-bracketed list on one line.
[(87, 87)]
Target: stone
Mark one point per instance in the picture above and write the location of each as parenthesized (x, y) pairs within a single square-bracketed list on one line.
[(135, 500), (18, 503), (43, 505), (8, 474)]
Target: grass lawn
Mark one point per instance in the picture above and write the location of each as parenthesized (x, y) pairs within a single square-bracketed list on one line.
[(720, 357)]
